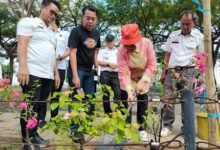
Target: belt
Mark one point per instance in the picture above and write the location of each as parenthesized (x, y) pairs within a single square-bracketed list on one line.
[(178, 68)]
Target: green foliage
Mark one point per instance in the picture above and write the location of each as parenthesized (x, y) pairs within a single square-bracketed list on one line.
[(94, 125), (7, 23)]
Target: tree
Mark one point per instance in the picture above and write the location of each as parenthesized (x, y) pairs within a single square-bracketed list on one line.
[(7, 33)]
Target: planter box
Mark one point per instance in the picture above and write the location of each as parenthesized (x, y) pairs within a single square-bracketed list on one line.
[(202, 125)]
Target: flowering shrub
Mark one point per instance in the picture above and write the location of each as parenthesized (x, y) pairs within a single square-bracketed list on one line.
[(12, 94), (8, 93), (97, 124), (200, 89), (200, 61)]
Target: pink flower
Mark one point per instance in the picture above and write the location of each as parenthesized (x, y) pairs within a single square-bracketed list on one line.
[(199, 88), (205, 55), (6, 81), (201, 66), (31, 123), (66, 116), (200, 55), (16, 94), (1, 84), (22, 105), (200, 63)]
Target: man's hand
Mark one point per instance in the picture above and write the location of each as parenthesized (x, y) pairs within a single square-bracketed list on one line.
[(57, 81), (59, 58), (96, 69), (113, 66), (23, 75), (141, 85), (76, 81)]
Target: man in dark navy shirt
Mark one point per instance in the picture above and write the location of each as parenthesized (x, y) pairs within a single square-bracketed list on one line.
[(84, 42)]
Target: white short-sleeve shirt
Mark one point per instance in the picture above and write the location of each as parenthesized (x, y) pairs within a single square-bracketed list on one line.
[(183, 48), (108, 55), (41, 55), (61, 47)]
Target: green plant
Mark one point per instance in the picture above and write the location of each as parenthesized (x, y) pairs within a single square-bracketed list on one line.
[(96, 124)]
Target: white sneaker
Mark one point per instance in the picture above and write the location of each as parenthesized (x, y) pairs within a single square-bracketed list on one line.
[(165, 132), (144, 136)]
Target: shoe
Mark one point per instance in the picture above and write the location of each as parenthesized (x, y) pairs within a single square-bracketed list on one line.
[(78, 137), (144, 136), (39, 141), (28, 147), (165, 132), (46, 141), (42, 123)]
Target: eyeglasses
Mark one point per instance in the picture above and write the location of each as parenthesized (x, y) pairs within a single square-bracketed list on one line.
[(186, 24), (54, 13)]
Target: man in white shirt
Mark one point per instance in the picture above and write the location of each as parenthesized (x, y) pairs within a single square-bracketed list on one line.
[(107, 60), (180, 48), (37, 65), (62, 51)]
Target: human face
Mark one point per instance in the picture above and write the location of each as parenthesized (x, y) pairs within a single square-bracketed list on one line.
[(110, 44), (89, 20), (187, 24), (49, 13), (130, 48)]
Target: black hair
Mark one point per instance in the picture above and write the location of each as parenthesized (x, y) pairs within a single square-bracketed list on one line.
[(109, 37), (192, 13), (91, 8), (48, 2)]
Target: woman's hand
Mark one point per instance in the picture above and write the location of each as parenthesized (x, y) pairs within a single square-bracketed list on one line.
[(141, 86), (130, 98)]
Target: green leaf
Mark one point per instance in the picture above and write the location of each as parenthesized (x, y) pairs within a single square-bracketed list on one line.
[(128, 132), (114, 121), (53, 106), (125, 111), (78, 97), (121, 125), (111, 129), (105, 120), (81, 128), (89, 96), (119, 137), (56, 130)]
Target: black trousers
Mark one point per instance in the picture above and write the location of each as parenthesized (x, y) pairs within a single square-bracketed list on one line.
[(62, 74), (38, 89), (141, 108), (110, 79)]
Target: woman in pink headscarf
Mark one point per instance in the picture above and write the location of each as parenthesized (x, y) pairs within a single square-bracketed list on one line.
[(136, 67)]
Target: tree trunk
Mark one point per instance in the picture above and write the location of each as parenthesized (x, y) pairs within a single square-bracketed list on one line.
[(210, 82)]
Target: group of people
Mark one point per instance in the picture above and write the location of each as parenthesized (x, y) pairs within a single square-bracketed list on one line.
[(129, 69)]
